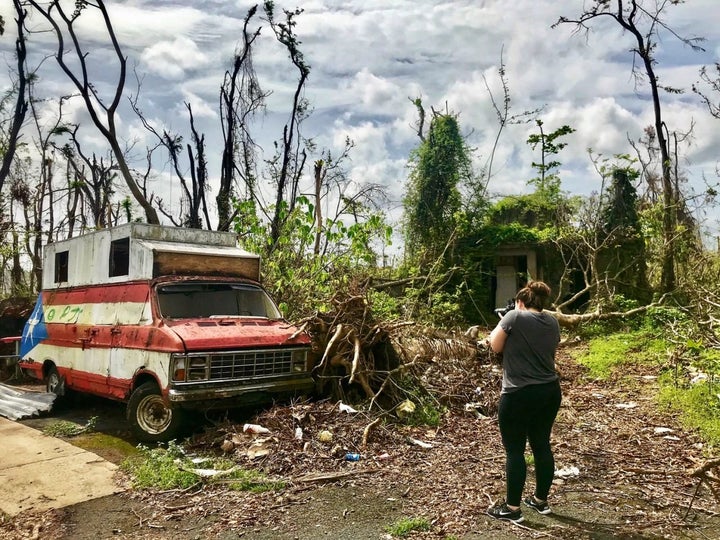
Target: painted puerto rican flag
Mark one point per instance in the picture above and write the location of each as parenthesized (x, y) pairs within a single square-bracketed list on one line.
[(35, 330)]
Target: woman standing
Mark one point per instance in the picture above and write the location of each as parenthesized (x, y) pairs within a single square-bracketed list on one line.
[(530, 399)]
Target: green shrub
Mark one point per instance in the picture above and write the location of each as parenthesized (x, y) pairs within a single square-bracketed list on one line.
[(405, 526), (428, 412), (698, 406), (65, 428), (170, 468), (160, 468), (607, 352)]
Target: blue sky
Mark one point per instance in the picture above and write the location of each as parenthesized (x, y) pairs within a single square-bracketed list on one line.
[(368, 57)]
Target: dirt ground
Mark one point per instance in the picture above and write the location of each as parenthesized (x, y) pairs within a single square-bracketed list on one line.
[(624, 472)]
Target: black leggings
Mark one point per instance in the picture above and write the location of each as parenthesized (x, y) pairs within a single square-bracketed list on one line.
[(528, 414)]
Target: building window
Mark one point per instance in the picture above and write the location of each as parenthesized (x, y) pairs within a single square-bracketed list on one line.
[(61, 266), (120, 257)]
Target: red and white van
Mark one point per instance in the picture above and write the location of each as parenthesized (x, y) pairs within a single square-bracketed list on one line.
[(165, 319)]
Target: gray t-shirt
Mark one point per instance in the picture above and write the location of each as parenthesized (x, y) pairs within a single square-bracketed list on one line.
[(529, 352)]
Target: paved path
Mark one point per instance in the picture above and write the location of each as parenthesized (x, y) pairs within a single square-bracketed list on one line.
[(38, 472)]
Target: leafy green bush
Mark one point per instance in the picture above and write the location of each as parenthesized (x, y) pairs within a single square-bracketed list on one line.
[(160, 468), (304, 282), (384, 306), (606, 352), (428, 412), (406, 526), (171, 468), (662, 317), (698, 406), (64, 428)]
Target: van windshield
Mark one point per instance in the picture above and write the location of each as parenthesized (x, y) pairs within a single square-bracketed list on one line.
[(203, 300)]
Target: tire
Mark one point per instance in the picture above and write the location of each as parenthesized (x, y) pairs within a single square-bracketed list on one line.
[(54, 383), (149, 416)]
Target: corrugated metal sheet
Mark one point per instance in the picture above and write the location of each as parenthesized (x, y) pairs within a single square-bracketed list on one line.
[(16, 403)]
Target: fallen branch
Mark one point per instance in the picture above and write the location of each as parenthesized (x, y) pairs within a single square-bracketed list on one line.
[(367, 430), (330, 476)]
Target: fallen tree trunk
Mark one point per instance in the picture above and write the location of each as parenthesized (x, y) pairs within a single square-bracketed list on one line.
[(572, 320)]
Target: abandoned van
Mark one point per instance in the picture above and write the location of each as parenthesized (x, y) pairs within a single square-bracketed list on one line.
[(165, 319)]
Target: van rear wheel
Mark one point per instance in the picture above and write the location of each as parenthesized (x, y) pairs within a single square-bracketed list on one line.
[(150, 417)]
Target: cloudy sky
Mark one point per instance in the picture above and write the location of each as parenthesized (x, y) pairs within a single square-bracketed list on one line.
[(368, 57)]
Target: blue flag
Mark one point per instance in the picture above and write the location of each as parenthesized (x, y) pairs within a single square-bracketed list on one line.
[(35, 330)]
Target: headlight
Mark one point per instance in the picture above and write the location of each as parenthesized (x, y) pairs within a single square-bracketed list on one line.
[(299, 359), (178, 374), (198, 368)]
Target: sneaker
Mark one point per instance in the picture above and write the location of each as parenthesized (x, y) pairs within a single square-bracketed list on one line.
[(501, 511), (541, 507)]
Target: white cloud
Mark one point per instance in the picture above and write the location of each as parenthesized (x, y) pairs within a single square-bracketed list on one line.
[(368, 57), (173, 59)]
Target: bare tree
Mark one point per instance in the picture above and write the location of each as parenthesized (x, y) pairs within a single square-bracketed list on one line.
[(712, 79), (241, 98), (94, 103), (194, 203), (91, 186), (645, 26), (290, 160), (21, 103)]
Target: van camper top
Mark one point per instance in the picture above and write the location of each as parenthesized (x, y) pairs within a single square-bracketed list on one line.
[(139, 251)]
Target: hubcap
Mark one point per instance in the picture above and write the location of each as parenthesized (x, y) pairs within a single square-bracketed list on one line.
[(153, 416), (53, 385)]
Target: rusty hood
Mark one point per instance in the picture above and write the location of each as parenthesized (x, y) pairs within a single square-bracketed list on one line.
[(236, 333)]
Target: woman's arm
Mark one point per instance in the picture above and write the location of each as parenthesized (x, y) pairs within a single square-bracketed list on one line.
[(497, 339)]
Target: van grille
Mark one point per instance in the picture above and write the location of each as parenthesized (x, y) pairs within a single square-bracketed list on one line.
[(250, 364), (238, 365)]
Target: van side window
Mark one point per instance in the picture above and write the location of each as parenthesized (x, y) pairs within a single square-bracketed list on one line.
[(120, 257), (61, 266)]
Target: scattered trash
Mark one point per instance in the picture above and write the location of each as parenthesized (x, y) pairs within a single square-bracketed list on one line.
[(16, 403), (254, 428), (567, 472), (405, 408), (346, 408), (660, 430), (384, 456), (419, 443), (352, 456), (260, 448), (204, 473), (298, 433), (473, 407), (325, 436), (630, 405), (227, 446)]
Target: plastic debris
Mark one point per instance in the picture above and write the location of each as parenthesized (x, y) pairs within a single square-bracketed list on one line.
[(325, 436), (567, 472), (254, 428), (405, 408), (630, 405), (259, 448), (346, 408), (298, 434), (421, 444)]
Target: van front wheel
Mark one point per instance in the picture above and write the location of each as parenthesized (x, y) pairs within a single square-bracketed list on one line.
[(149, 416)]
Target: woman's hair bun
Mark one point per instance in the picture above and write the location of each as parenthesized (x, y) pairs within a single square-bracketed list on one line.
[(539, 288)]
